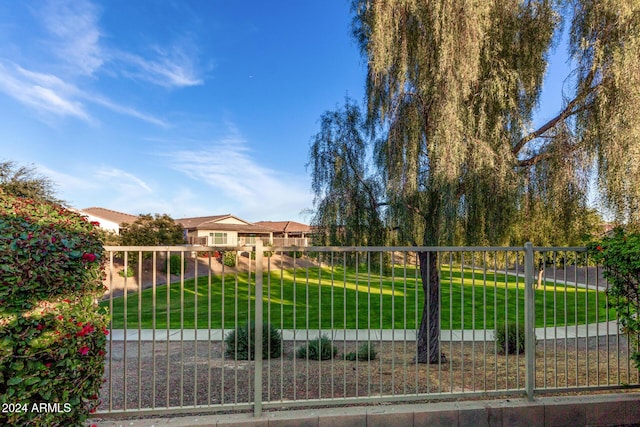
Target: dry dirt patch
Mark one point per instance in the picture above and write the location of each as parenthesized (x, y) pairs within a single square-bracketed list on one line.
[(190, 373)]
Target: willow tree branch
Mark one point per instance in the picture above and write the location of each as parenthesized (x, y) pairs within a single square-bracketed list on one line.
[(531, 161), (568, 111)]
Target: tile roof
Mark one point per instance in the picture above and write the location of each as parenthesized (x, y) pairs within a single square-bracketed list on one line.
[(213, 223), (110, 215), (285, 226), (197, 221)]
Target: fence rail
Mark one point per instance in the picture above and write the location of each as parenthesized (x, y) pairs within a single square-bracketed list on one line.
[(174, 310)]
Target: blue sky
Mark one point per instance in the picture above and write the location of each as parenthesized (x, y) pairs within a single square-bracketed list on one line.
[(185, 107), (182, 107)]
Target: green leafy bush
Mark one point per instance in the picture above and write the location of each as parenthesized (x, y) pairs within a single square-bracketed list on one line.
[(318, 349), (240, 343), (266, 254), (174, 264), (619, 254), (229, 259), (510, 338), (366, 352), (52, 334), (127, 272)]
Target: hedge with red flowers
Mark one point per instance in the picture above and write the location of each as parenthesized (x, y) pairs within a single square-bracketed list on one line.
[(52, 334)]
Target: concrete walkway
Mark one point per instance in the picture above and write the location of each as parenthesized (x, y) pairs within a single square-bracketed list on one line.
[(560, 332)]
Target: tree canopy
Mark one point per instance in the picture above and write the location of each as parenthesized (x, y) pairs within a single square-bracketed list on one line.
[(450, 153), (148, 230), (25, 181), (453, 86)]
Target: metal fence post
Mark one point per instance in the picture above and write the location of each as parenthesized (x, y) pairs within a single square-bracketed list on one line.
[(257, 391), (529, 320)]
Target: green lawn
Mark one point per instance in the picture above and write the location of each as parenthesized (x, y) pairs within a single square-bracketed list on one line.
[(359, 301)]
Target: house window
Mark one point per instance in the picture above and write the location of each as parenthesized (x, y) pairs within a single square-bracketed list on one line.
[(250, 240), (218, 238)]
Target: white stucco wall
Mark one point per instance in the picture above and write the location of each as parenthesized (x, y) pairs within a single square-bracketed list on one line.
[(104, 224)]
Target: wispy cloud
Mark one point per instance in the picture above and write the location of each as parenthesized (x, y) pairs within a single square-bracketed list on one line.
[(42, 92), (128, 111), (175, 66), (75, 49), (68, 183), (122, 180), (76, 34), (227, 166), (47, 93)]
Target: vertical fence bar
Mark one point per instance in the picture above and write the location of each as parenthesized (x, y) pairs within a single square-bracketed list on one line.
[(126, 321), (139, 329), (529, 320), (110, 370), (257, 394)]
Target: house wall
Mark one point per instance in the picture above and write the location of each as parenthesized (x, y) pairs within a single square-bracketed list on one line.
[(232, 237), (104, 224), (231, 221)]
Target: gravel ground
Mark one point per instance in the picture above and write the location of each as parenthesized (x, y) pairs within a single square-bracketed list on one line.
[(192, 373)]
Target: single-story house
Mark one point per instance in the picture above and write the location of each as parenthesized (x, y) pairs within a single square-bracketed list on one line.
[(108, 219), (223, 230), (287, 233)]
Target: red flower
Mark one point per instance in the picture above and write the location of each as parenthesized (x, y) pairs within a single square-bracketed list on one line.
[(95, 223), (101, 353), (87, 257), (83, 350), (53, 239), (599, 248), (60, 317), (105, 330), (40, 327), (48, 364), (87, 329)]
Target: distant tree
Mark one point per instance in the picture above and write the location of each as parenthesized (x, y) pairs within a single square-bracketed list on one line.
[(150, 230), (25, 181)]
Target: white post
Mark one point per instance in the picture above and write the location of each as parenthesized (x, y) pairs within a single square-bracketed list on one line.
[(257, 391), (529, 320)]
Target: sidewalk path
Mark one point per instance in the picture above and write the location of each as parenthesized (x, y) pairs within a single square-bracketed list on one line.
[(560, 332)]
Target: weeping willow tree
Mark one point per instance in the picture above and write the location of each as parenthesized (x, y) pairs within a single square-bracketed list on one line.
[(349, 210), (452, 85)]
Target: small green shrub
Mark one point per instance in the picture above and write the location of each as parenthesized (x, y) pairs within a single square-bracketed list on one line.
[(366, 352), (266, 254), (318, 349), (240, 343), (128, 272), (510, 338), (174, 264), (229, 259)]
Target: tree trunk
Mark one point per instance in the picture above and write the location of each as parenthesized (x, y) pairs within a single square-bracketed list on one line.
[(429, 332)]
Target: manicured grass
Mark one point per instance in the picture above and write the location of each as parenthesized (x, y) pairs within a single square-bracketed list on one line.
[(360, 300)]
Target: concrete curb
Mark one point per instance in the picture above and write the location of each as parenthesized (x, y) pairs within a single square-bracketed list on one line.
[(480, 335), (596, 410)]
